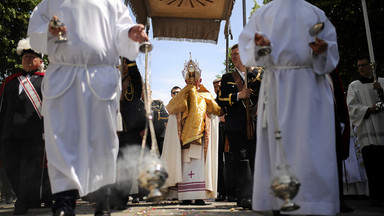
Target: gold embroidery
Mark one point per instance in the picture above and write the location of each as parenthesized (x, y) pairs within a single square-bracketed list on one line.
[(129, 94), (194, 104)]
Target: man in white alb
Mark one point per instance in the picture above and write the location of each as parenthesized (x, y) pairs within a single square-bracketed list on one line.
[(296, 98), (368, 119), (81, 93)]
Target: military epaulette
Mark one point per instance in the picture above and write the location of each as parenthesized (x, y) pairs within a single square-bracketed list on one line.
[(131, 64)]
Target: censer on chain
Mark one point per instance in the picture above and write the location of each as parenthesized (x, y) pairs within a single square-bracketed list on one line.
[(153, 173), (285, 185)]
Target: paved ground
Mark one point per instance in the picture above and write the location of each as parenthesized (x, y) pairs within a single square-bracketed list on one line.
[(361, 205)]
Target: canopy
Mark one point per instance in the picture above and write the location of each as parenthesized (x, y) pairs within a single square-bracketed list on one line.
[(191, 20)]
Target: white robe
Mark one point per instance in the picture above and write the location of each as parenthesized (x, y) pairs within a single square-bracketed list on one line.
[(81, 89), (354, 176), (360, 97), (195, 178), (295, 88)]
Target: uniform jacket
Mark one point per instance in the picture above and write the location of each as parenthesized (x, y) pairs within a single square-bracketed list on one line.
[(160, 117), (131, 105), (18, 117), (235, 112)]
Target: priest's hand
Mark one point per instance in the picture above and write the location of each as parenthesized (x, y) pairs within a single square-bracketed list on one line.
[(260, 40), (377, 86), (56, 30), (373, 109), (137, 33), (319, 46)]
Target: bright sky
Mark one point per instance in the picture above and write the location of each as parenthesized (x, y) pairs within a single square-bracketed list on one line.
[(168, 57)]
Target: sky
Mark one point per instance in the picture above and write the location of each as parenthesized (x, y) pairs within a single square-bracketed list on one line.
[(168, 57)]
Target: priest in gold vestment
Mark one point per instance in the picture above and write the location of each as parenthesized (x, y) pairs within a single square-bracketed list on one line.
[(191, 141)]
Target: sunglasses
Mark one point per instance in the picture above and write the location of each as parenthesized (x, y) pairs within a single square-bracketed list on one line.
[(175, 92)]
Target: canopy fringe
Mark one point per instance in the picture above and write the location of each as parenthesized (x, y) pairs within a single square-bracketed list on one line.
[(187, 40)]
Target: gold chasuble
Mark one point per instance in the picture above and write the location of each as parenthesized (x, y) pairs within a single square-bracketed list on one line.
[(191, 107)]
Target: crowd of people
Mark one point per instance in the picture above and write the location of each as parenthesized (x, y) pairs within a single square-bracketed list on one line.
[(76, 130)]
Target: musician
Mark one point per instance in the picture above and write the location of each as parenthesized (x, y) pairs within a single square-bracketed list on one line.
[(231, 97), (21, 131), (160, 119), (368, 118), (134, 120)]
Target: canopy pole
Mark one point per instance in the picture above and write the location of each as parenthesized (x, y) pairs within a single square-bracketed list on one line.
[(368, 31), (226, 53), (244, 12)]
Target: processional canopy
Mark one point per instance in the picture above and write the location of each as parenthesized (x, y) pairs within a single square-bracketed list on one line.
[(187, 20)]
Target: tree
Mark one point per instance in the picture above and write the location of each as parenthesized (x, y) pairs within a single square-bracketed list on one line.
[(347, 17), (231, 66), (14, 18)]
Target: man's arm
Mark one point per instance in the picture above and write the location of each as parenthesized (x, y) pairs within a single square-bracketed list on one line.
[(227, 93)]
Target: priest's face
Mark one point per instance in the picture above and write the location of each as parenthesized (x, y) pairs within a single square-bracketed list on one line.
[(31, 61), (364, 68)]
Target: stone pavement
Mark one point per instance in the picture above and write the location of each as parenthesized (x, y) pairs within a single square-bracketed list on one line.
[(361, 205)]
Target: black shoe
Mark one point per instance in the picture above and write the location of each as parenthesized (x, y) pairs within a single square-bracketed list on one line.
[(344, 208), (65, 203), (277, 213), (186, 202), (377, 203), (8, 200), (102, 212), (199, 202), (118, 202), (20, 211), (245, 204), (34, 205), (60, 212), (231, 199), (102, 209), (64, 211), (48, 204), (220, 198), (21, 208), (102, 197), (136, 200)]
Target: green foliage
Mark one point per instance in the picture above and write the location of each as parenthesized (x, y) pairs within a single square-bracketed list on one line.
[(230, 64), (14, 17), (254, 8), (347, 17)]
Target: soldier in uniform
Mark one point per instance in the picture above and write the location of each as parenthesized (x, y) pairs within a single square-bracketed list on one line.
[(160, 119), (133, 116), (232, 96), (21, 131)]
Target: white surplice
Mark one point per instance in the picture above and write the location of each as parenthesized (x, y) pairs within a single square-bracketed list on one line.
[(295, 93), (82, 89), (354, 176), (360, 97), (190, 177)]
